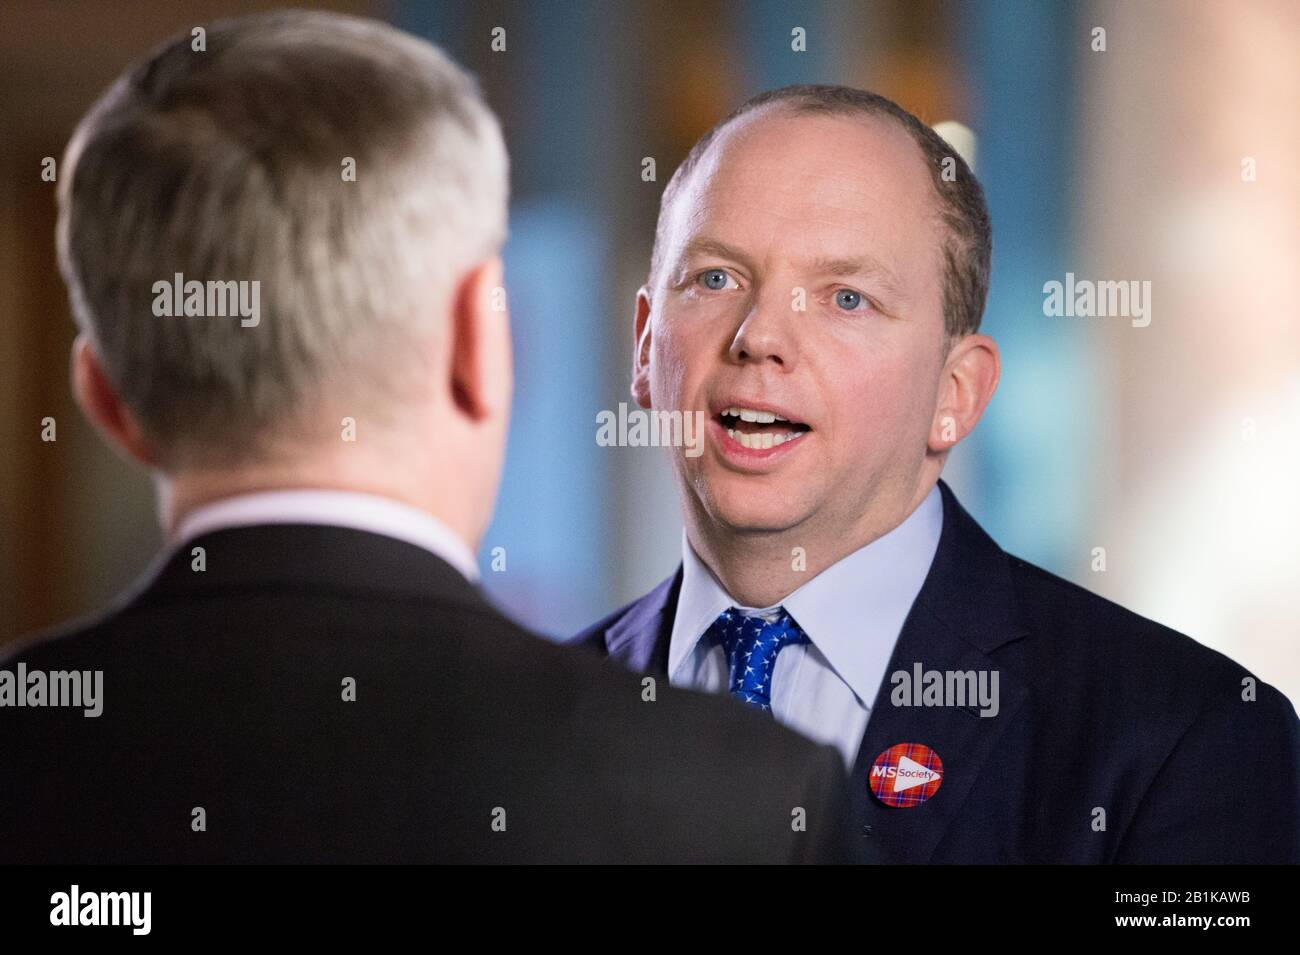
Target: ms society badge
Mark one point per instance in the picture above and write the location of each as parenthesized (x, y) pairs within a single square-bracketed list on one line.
[(906, 775)]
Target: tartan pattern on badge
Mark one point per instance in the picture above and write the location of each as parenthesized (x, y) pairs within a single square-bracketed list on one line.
[(905, 775)]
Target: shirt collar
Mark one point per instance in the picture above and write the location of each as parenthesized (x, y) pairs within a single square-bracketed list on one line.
[(364, 512), (852, 611)]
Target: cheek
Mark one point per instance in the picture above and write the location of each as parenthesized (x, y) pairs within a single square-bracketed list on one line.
[(884, 405), (677, 366)]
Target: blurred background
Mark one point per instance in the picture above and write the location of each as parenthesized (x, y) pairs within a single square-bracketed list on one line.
[(1169, 156)]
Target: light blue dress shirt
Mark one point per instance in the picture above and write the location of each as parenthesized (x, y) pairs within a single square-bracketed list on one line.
[(852, 612)]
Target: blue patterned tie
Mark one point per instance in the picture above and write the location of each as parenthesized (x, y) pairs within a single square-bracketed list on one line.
[(751, 645)]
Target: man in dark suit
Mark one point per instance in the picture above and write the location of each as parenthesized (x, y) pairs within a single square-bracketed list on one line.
[(282, 249), (327, 694), (819, 274)]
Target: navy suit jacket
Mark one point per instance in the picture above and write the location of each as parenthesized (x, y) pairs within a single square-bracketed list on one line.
[(1117, 740)]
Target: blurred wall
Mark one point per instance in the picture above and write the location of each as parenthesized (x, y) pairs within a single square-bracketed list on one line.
[(1192, 134)]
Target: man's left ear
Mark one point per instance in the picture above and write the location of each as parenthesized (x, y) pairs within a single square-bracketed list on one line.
[(970, 376), (103, 408), (482, 374)]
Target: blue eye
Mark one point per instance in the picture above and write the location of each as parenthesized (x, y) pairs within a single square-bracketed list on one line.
[(848, 299), (714, 279)]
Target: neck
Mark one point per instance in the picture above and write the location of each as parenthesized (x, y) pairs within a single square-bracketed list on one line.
[(181, 493), (762, 568)]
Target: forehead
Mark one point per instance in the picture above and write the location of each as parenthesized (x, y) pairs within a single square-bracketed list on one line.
[(788, 185)]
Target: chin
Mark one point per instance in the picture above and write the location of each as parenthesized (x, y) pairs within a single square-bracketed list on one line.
[(749, 515)]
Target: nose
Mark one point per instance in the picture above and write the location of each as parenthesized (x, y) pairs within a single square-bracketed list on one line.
[(767, 334)]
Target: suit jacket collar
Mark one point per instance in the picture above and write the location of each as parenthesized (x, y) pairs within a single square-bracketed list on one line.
[(311, 556), (335, 508)]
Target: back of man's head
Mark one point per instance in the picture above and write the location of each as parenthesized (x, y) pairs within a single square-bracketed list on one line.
[(339, 173)]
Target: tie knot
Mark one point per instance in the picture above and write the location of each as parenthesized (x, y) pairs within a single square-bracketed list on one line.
[(751, 644)]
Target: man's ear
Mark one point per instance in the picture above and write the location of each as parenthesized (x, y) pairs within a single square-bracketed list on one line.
[(99, 402), (482, 375), (970, 376), (641, 349)]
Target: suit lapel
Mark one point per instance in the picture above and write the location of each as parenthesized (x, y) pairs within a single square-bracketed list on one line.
[(965, 611), (639, 639)]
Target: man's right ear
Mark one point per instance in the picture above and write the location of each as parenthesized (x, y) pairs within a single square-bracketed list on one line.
[(641, 352), (102, 406)]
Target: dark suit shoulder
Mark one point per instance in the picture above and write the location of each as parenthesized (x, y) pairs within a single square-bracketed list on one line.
[(1076, 620), (1131, 672), (236, 702), (647, 743), (1143, 719)]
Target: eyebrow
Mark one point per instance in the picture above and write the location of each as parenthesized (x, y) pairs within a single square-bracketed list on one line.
[(703, 245), (865, 265)]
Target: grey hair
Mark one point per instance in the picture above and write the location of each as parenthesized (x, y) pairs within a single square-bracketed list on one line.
[(226, 164)]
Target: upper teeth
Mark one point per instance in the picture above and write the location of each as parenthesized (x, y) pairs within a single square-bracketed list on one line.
[(750, 414), (763, 439)]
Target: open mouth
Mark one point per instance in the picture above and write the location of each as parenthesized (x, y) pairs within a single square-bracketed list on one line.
[(759, 430)]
